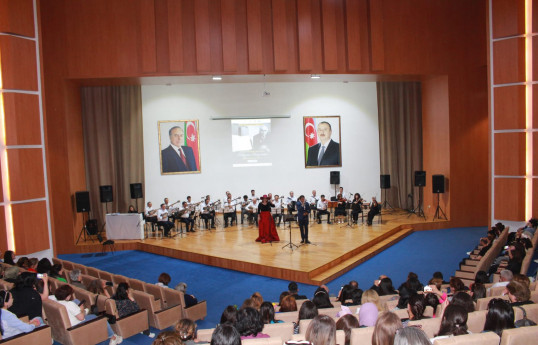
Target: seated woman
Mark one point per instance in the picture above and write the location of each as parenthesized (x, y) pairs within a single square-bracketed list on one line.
[(267, 312), (454, 322), (356, 207), (346, 323), (463, 299), (518, 293), (10, 325), (288, 304), (9, 257), (190, 300), (164, 280), (77, 314), (125, 303), (321, 331), (26, 300), (308, 311), (186, 328), (411, 335), (167, 338), (340, 210), (56, 271), (345, 294), (385, 329), (478, 290), (43, 266), (431, 299), (416, 308), (368, 314), (456, 285), (98, 287), (385, 287), (500, 316), (249, 324), (371, 296), (321, 300), (225, 334), (229, 315)]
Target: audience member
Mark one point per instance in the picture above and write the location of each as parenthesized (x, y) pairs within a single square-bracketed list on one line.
[(186, 328), (43, 266), (464, 300), (385, 287), (23, 262), (288, 304), (125, 302), (438, 275), (505, 277), (225, 334), (412, 283), (308, 311), (257, 300), (345, 294), (11, 273), (164, 279), (416, 307), (481, 277), (346, 323), (229, 315), (249, 324), (167, 338), (368, 315), (522, 279), (385, 329), (76, 280), (98, 287), (9, 257), (411, 336), (267, 312), (190, 300), (500, 316), (431, 299), (371, 296), (32, 265), (321, 331), (478, 291), (10, 325), (453, 323), (294, 291), (518, 293), (26, 300), (321, 300), (282, 295), (456, 285)]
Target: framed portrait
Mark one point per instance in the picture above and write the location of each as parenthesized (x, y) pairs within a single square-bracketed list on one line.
[(322, 141), (179, 147)]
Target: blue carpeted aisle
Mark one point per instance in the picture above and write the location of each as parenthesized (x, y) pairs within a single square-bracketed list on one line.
[(422, 252)]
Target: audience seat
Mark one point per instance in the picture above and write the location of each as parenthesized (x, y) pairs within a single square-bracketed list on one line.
[(517, 336), (429, 326), (39, 336), (488, 338), (85, 295), (56, 261), (340, 337), (83, 269), (128, 325), (92, 271), (482, 303), (118, 278), (282, 330), (157, 293), (158, 318), (86, 333), (476, 320), (204, 335), (107, 276), (530, 309), (496, 291), (86, 279), (361, 336), (262, 341), (136, 284), (402, 313), (290, 316), (6, 285), (68, 265), (195, 312)]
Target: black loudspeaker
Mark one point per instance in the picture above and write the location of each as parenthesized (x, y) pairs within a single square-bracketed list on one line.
[(136, 191), (105, 192), (420, 178), (82, 199), (335, 177), (438, 183), (385, 182), (91, 227)]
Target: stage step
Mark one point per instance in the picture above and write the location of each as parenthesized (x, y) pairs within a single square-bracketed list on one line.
[(364, 255)]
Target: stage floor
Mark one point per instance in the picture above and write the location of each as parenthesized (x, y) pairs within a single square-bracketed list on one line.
[(335, 248)]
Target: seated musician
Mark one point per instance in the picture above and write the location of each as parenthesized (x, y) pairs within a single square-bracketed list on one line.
[(207, 213), (244, 209), (340, 210), (184, 217), (276, 210), (253, 194), (229, 212), (252, 209), (356, 207), (291, 201), (322, 209), (150, 213), (162, 220), (313, 201), (192, 207), (375, 208)]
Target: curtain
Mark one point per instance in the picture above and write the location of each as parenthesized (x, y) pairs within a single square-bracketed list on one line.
[(400, 139), (113, 145)]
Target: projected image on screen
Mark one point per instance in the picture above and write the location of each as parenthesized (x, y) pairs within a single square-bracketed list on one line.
[(251, 142)]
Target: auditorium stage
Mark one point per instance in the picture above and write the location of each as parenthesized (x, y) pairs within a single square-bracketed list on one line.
[(335, 248)]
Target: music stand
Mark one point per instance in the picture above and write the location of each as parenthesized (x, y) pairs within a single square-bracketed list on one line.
[(289, 218), (349, 206)]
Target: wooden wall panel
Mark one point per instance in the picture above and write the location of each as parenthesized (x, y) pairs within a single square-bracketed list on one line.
[(509, 201), (22, 119), (304, 28), (26, 174), (17, 17), (30, 227), (254, 25), (203, 46), (229, 35), (534, 197), (280, 35), (215, 37), (330, 47), (148, 46), (534, 55), (1, 192), (535, 159), (509, 61), (534, 17), (509, 154), (508, 18), (18, 63), (3, 234), (509, 107), (377, 36), (535, 106), (175, 35), (353, 35)]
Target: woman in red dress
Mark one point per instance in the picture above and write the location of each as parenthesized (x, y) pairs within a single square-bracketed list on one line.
[(267, 229)]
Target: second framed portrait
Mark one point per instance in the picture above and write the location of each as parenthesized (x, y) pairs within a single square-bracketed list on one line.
[(322, 141), (179, 147)]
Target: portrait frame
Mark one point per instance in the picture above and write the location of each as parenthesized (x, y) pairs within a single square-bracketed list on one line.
[(332, 156), (170, 161)]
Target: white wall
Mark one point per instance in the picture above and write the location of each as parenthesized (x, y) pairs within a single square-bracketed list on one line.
[(355, 102)]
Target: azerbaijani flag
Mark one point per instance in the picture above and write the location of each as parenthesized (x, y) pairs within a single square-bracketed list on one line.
[(191, 140), (311, 136)]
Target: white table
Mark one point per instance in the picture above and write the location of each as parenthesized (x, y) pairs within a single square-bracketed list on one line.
[(124, 226)]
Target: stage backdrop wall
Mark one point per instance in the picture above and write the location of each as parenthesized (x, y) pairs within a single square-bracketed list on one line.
[(355, 102)]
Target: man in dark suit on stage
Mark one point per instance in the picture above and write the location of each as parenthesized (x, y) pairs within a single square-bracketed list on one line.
[(177, 157), (303, 212), (327, 151)]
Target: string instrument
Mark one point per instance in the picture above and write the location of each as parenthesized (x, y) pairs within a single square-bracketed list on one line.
[(177, 202), (191, 207), (245, 203), (315, 203), (152, 213)]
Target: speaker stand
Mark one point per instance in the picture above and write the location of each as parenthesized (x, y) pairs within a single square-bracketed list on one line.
[(439, 211), (385, 203), (83, 230), (419, 211)]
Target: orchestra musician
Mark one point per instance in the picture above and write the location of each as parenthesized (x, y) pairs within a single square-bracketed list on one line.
[(162, 220), (229, 212), (291, 202), (313, 201), (356, 207), (303, 211), (166, 204), (150, 215), (276, 209), (267, 230), (322, 209), (253, 194), (192, 213), (185, 217), (244, 209), (340, 210), (207, 213), (252, 210), (375, 208)]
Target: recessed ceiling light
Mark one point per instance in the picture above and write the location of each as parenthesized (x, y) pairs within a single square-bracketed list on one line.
[(315, 76), (217, 77)]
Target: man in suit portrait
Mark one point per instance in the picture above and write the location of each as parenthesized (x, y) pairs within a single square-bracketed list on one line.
[(177, 157), (326, 151)]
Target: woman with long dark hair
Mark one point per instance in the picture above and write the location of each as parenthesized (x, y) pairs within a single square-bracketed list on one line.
[(385, 287), (454, 322), (500, 316), (125, 303), (356, 207), (9, 257), (249, 324), (308, 311), (267, 312), (266, 228)]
